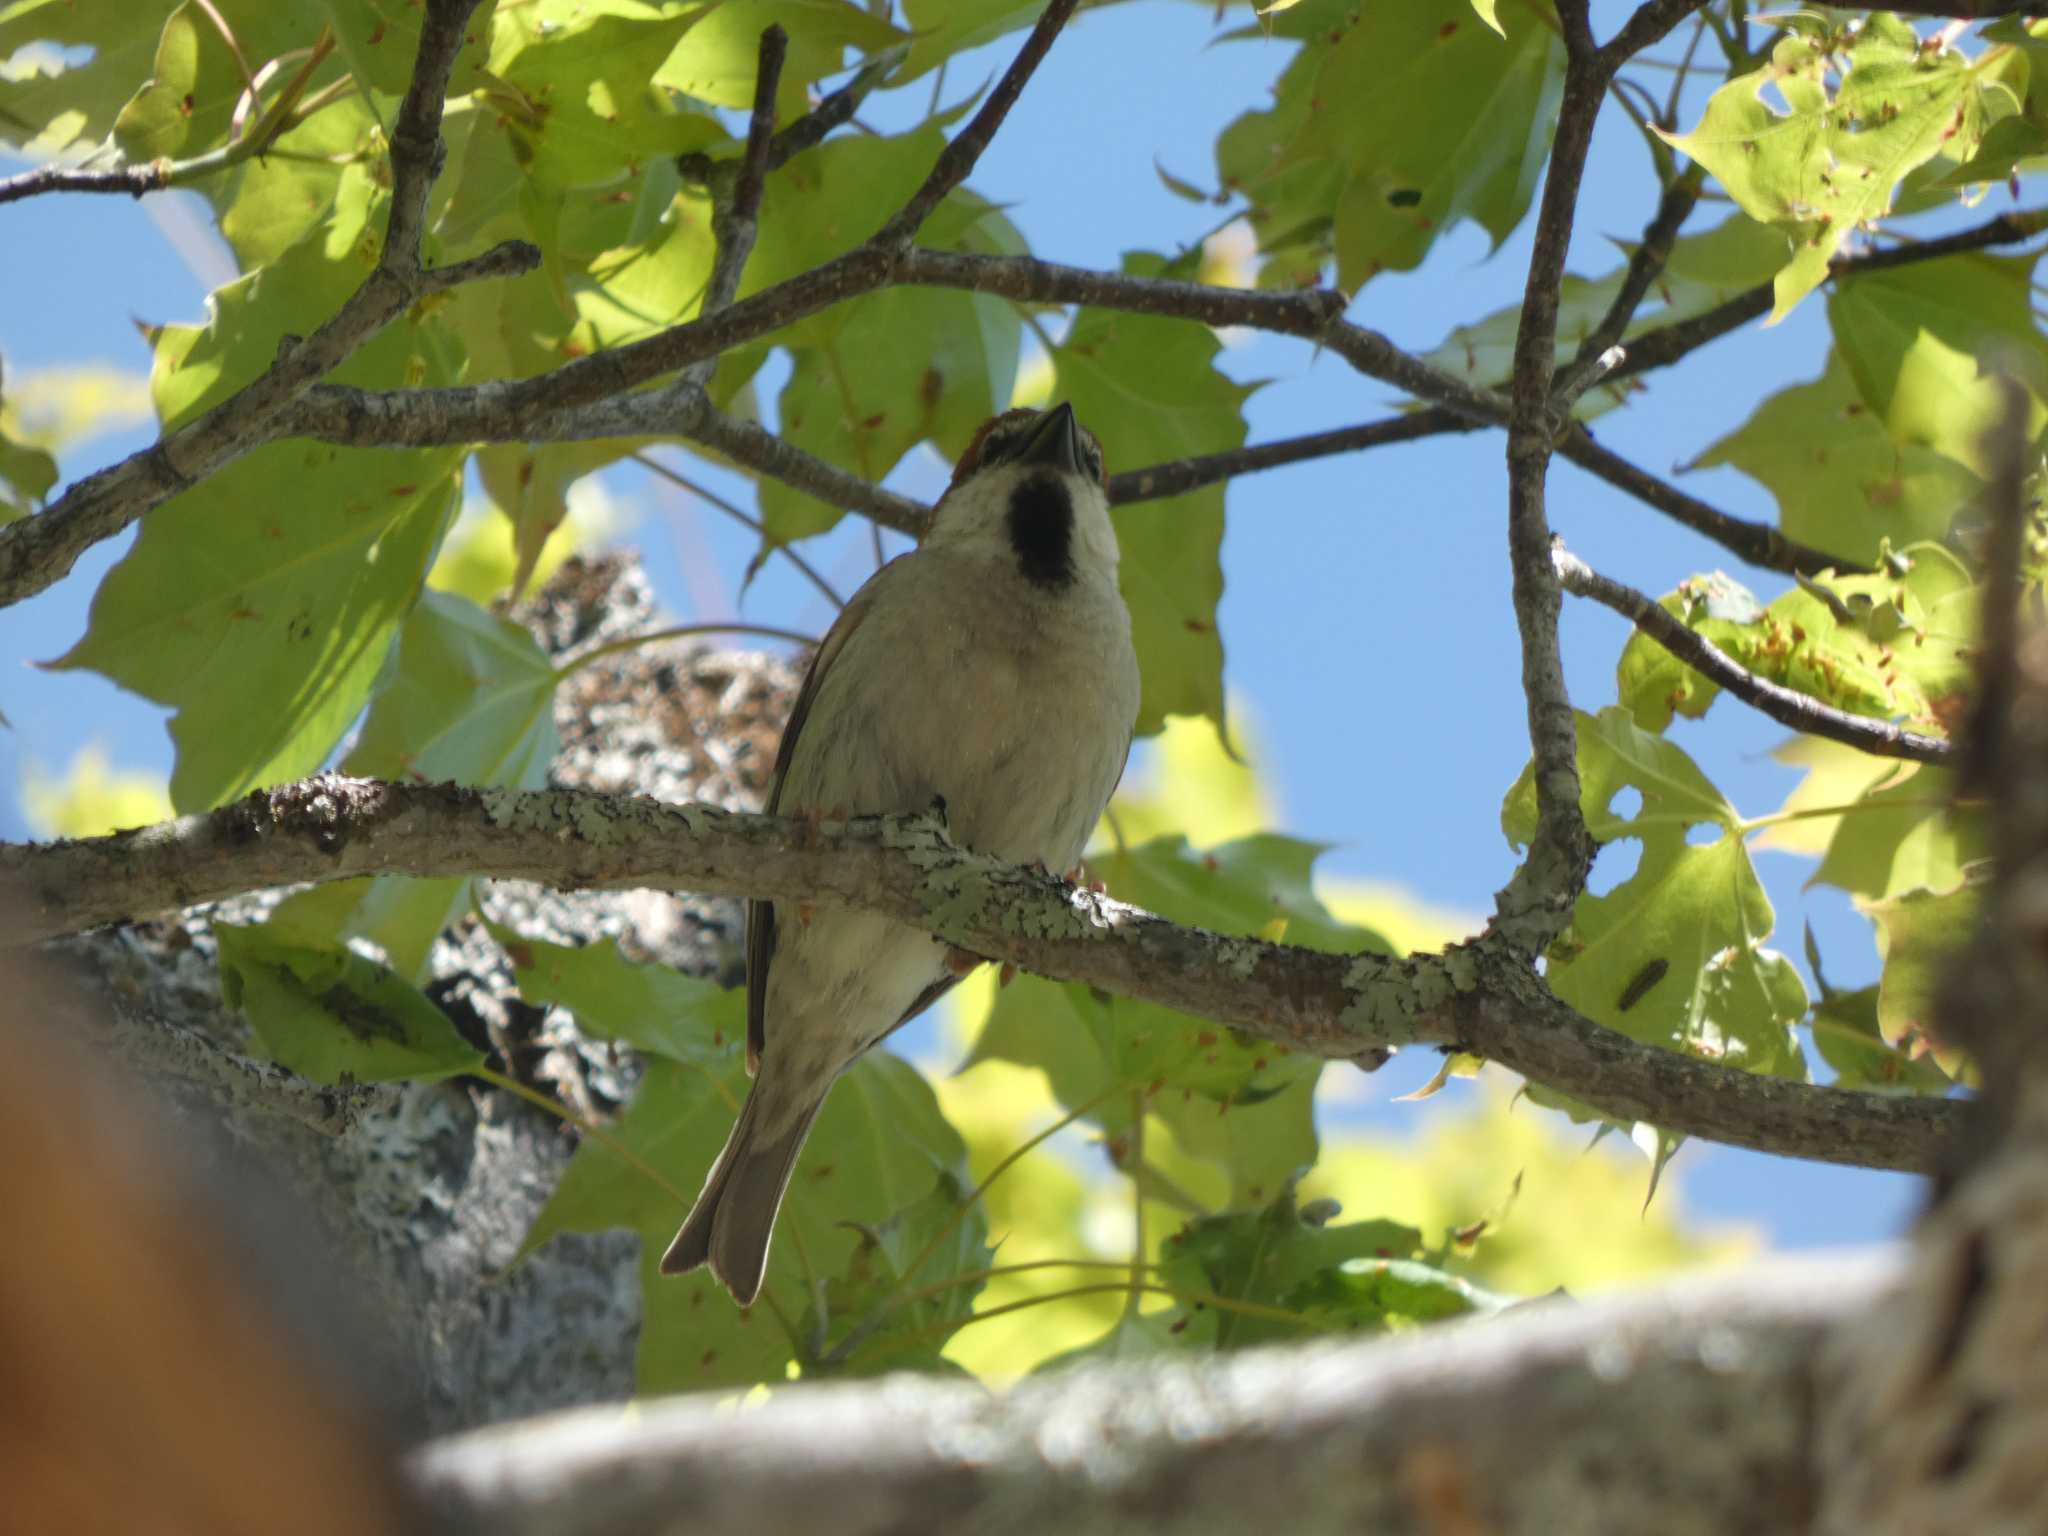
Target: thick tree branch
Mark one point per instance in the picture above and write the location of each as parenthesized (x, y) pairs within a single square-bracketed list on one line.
[(1690, 1408), (1787, 706), (1538, 900), (36, 551), (1480, 997)]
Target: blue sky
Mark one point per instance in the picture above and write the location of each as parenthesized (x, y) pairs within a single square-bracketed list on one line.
[(1366, 621)]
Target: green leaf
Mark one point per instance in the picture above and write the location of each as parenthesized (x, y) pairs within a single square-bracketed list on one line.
[(261, 603), (879, 1146), (903, 1321), (26, 471), (154, 123), (1674, 956), (1922, 936), (1273, 1259), (328, 1014), (1906, 835), (1151, 390), (1842, 482), (1238, 1102), (1652, 684), (715, 61), (1392, 124), (468, 698), (269, 203), (652, 1008), (131, 44), (573, 81), (1845, 1029), (1829, 163), (1927, 346), (402, 917), (1888, 646)]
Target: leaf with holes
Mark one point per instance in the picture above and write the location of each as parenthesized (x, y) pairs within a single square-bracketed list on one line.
[(1674, 956), (1830, 162)]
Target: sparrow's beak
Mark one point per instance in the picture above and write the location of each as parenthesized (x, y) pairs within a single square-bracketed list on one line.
[(1055, 442)]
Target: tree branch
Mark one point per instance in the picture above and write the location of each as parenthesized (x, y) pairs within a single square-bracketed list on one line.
[(1652, 21), (1480, 997), (1690, 1407), (957, 160), (1645, 263), (1183, 475), (1758, 543), (1668, 343), (1538, 900), (1785, 705), (37, 551)]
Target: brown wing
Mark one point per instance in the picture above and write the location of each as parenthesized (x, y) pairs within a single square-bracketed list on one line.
[(761, 914)]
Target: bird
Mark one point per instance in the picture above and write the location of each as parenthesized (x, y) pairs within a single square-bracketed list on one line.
[(989, 674)]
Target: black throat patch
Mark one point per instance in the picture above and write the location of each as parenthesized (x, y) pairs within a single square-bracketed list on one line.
[(1042, 530)]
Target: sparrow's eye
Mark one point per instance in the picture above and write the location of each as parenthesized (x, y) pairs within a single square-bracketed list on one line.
[(1091, 455)]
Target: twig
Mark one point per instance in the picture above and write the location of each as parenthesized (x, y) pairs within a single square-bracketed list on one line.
[(1183, 475), (747, 443), (1482, 996), (36, 551), (1652, 21), (1758, 543), (1785, 705), (1644, 265), (735, 219), (1668, 343), (965, 148), (156, 175), (744, 519), (1537, 902)]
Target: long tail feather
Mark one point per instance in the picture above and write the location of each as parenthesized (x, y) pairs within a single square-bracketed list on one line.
[(733, 1221)]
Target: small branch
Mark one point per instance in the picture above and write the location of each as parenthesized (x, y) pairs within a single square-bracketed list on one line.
[(957, 160), (835, 110), (1760, 544), (745, 519), (1480, 996), (37, 551), (749, 444), (1667, 344), (1184, 475), (735, 220), (1784, 705), (131, 180), (1651, 23), (1538, 900), (1645, 264)]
